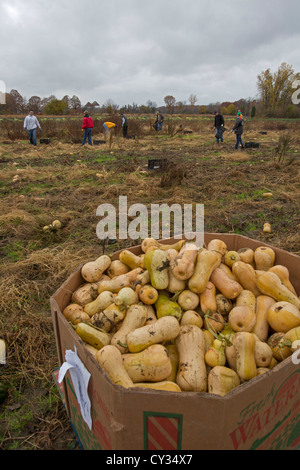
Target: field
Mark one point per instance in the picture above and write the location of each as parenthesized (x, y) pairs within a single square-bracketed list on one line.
[(68, 182)]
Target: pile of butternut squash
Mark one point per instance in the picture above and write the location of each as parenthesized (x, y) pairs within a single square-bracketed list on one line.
[(182, 318)]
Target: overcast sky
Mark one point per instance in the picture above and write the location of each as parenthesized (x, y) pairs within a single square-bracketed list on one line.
[(136, 50)]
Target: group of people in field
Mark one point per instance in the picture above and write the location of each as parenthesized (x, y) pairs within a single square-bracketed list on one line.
[(31, 124)]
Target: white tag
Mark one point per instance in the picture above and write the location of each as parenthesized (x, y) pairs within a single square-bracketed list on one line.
[(80, 377)]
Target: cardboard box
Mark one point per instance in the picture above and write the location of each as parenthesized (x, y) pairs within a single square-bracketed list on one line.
[(260, 414)]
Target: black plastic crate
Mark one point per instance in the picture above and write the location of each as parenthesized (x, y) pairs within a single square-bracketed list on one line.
[(251, 145), (156, 164)]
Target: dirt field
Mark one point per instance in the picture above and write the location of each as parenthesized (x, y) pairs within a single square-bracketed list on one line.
[(68, 182)]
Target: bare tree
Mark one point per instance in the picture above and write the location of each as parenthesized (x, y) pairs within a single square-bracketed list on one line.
[(193, 100), (170, 103)]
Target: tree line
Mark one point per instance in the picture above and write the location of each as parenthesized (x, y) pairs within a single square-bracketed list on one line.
[(275, 91)]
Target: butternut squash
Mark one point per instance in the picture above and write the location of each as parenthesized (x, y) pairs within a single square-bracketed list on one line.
[(157, 262), (85, 294), (164, 386), (246, 255), (262, 352), (264, 258), (164, 329), (148, 294), (117, 283), (117, 268), (130, 259), (214, 321), (215, 355), (96, 338), (79, 316), (284, 275), (102, 301), (224, 305), (206, 262), (70, 309), (126, 297), (231, 257), (228, 271), (153, 364), (270, 284), (261, 327), (151, 315), (293, 336), (188, 300), (183, 266), (283, 316), (246, 276), (167, 307), (208, 301), (175, 285), (242, 318), (229, 288), (280, 347), (110, 360), (190, 317), (192, 375), (109, 318), (218, 246), (135, 317), (246, 297), (174, 358), (93, 270), (244, 344), (221, 380)]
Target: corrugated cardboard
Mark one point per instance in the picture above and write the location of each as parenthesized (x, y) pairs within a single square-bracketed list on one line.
[(260, 414)]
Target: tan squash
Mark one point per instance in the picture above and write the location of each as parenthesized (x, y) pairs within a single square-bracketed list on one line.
[(231, 356), (224, 305), (79, 316), (69, 310), (188, 300), (135, 317), (174, 358), (270, 284), (117, 283), (283, 316), (126, 297), (164, 329), (131, 260), (175, 285), (246, 297), (293, 336), (102, 301), (214, 321), (209, 338), (262, 352), (153, 364), (110, 360), (215, 355), (96, 338), (109, 318), (164, 386), (244, 344), (206, 262), (148, 294), (157, 263), (228, 271), (246, 276), (192, 375), (246, 255), (183, 266), (284, 275), (242, 318), (228, 287), (221, 380), (231, 257), (208, 301), (261, 327), (151, 315), (85, 294), (191, 317), (93, 270), (264, 258), (117, 268), (218, 246)]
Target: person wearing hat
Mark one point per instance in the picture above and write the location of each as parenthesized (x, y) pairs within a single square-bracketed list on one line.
[(87, 127), (238, 128), (219, 126)]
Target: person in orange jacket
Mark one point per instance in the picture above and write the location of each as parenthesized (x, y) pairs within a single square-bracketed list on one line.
[(87, 127)]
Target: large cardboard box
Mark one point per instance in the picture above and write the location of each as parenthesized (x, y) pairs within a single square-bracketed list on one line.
[(260, 414)]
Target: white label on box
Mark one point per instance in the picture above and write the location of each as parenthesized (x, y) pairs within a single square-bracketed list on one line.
[(80, 377)]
